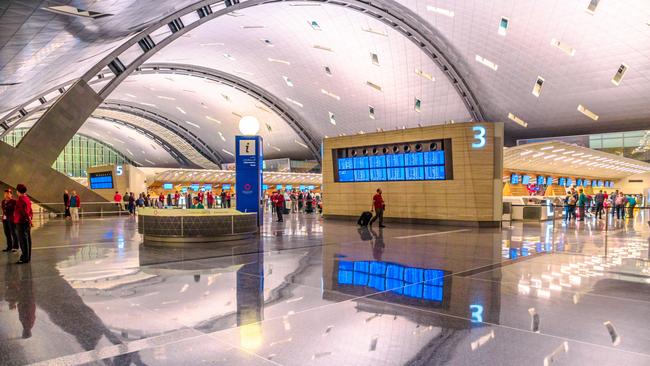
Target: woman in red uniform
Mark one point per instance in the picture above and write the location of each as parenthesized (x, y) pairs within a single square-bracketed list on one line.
[(23, 219)]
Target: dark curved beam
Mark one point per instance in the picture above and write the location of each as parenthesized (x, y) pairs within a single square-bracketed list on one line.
[(277, 105), (174, 152), (195, 141)]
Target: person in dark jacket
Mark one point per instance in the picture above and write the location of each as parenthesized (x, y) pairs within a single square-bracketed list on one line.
[(8, 206), (23, 219), (66, 205)]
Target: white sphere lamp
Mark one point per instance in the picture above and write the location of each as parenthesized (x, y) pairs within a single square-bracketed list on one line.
[(249, 125)]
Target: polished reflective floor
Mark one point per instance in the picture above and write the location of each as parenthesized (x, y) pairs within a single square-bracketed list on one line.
[(309, 291)]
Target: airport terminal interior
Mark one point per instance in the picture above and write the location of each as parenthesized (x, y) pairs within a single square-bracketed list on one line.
[(302, 182)]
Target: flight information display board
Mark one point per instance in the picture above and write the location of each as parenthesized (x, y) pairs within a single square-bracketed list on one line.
[(102, 180), (410, 166)]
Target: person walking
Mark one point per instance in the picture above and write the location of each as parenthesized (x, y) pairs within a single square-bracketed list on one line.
[(23, 216), (294, 202), (8, 207), (631, 202), (582, 202), (279, 205), (600, 201), (118, 200), (66, 205), (378, 206), (75, 204), (228, 198), (618, 206), (210, 199), (131, 204)]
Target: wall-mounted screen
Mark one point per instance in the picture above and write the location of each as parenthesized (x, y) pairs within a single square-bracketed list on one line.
[(184, 190), (525, 179), (549, 181), (168, 186), (195, 187), (540, 180), (311, 188), (579, 182), (562, 182), (265, 187), (569, 182), (207, 187), (412, 165), (225, 187), (515, 178), (101, 180), (586, 182), (278, 187)]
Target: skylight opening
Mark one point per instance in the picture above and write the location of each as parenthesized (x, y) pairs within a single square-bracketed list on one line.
[(591, 8), (417, 105), (563, 46), (616, 80), (71, 10), (288, 81), (295, 102), (587, 112), (487, 62), (373, 85), (425, 75), (330, 94), (374, 58), (517, 120), (371, 112), (332, 119), (314, 25), (503, 26), (537, 88), (441, 11), (279, 61), (328, 71)]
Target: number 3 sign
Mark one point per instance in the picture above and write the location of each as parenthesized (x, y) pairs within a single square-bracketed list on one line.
[(479, 137)]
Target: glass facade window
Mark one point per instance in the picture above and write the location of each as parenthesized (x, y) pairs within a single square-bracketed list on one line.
[(81, 153)]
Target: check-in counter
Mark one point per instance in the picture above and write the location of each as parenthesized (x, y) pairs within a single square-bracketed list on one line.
[(529, 208), (195, 226)]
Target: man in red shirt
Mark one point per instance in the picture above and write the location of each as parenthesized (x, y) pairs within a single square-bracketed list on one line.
[(378, 207), (278, 200), (23, 219), (118, 200)]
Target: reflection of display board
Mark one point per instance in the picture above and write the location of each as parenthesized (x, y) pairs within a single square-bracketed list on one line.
[(378, 164), (419, 283), (101, 180)]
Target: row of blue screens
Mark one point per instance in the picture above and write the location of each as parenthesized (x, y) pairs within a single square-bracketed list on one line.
[(566, 182), (225, 187), (393, 161), (399, 279), (102, 182), (435, 172)]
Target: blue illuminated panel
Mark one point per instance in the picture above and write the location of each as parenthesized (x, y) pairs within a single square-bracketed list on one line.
[(525, 179), (377, 161), (362, 175), (549, 181), (361, 162), (579, 182), (376, 175), (418, 283), (414, 173), (168, 186), (346, 163), (514, 179), (395, 160), (569, 182), (562, 182), (540, 180), (395, 173), (393, 167), (225, 187), (102, 180), (414, 159)]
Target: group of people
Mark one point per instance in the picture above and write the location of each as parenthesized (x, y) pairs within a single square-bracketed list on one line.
[(619, 203), (202, 199), (294, 201), (17, 216), (72, 205)]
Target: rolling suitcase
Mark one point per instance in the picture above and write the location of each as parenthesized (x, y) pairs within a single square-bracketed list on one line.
[(364, 219)]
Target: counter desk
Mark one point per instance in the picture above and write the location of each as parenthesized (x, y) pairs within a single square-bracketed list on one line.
[(195, 225)]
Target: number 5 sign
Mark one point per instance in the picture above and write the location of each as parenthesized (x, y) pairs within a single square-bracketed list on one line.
[(479, 137)]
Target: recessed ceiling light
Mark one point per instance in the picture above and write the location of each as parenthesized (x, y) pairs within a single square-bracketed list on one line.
[(587, 112), (371, 112), (324, 48), (181, 110), (373, 85), (165, 98), (148, 104), (212, 119), (332, 119), (288, 81), (563, 46), (130, 95), (486, 62), (295, 102), (229, 57), (227, 152), (517, 120), (424, 75), (616, 80), (374, 58), (537, 88), (221, 136), (330, 94), (252, 26), (301, 144), (591, 8), (375, 31), (192, 124), (440, 11), (279, 61)]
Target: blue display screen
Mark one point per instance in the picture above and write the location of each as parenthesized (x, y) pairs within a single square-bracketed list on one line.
[(525, 179), (102, 180), (540, 180), (207, 187), (194, 187), (225, 187), (514, 179), (278, 187), (600, 183), (289, 187), (549, 181), (420, 283), (569, 182), (265, 187), (394, 167), (579, 182), (311, 188), (562, 182), (302, 188), (168, 186), (586, 182)]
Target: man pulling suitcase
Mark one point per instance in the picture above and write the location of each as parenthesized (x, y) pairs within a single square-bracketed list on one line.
[(378, 206)]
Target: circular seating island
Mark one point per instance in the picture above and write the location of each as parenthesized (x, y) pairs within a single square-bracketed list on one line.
[(177, 226)]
